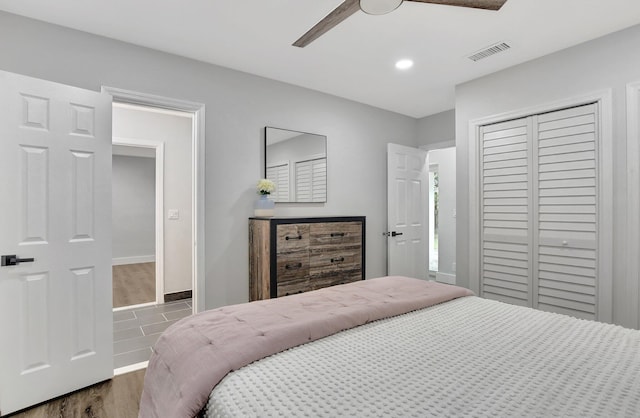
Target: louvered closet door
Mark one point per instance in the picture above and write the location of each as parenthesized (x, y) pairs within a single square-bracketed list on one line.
[(311, 185), (566, 220), (279, 174), (505, 184)]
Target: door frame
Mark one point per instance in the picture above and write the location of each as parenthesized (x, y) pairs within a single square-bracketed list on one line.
[(604, 101), (198, 175), (158, 148), (632, 287)]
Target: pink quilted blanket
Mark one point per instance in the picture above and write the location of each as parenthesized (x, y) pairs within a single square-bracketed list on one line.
[(193, 355)]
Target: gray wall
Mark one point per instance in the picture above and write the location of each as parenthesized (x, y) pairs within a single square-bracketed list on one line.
[(175, 133), (436, 129), (133, 184), (605, 63), (238, 107)]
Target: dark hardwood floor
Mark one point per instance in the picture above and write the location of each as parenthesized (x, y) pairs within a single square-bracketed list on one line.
[(116, 398), (134, 284)]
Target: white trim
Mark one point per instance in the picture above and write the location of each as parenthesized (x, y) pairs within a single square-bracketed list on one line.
[(474, 206), (633, 198), (445, 278), (130, 368), (198, 163), (439, 145), (159, 205), (605, 198), (138, 306), (146, 108), (121, 261)]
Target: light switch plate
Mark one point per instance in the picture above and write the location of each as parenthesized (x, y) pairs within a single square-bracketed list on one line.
[(174, 214)]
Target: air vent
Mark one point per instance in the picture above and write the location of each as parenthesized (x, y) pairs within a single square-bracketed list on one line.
[(489, 51)]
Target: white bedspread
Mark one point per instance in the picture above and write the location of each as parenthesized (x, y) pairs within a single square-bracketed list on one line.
[(467, 357)]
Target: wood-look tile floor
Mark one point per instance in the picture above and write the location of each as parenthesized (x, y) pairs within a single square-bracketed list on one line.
[(136, 330), (116, 398), (134, 284)]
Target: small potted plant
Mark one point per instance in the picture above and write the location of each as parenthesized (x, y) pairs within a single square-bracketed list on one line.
[(265, 206)]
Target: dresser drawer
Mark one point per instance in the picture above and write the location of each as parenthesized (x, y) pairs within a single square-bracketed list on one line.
[(294, 286), (329, 262), (292, 274), (292, 237), (292, 266), (335, 279), (335, 234)]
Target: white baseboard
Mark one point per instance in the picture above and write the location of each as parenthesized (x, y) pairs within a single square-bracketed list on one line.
[(133, 260), (131, 368), (446, 278)]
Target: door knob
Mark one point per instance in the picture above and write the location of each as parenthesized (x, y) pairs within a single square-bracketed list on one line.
[(12, 260), (392, 234)]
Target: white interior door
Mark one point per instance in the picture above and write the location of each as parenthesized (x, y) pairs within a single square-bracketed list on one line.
[(407, 217), (55, 207)]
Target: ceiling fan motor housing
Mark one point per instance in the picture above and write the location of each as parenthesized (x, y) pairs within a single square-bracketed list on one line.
[(379, 7)]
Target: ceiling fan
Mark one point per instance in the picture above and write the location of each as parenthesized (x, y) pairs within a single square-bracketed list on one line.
[(380, 7)]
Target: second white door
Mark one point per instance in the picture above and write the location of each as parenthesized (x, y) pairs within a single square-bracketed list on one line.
[(407, 194)]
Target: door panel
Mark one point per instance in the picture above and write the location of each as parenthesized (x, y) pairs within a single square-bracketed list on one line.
[(407, 193), (506, 255), (55, 206), (567, 227)]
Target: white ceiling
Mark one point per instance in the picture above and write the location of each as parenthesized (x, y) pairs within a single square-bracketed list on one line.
[(356, 59)]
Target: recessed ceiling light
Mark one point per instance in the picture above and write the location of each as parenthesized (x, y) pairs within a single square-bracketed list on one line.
[(404, 64)]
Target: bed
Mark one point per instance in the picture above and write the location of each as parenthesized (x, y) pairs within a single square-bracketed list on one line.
[(392, 346)]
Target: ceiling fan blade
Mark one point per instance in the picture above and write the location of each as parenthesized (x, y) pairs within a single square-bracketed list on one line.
[(340, 13), (476, 4)]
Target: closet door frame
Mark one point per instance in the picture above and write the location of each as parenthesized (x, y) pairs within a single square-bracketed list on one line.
[(604, 100), (633, 201)]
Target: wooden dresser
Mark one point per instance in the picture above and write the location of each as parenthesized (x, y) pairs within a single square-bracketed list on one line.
[(295, 255)]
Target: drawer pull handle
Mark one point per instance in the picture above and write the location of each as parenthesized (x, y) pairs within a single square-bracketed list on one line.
[(288, 237), (337, 260), (337, 234), (293, 266)]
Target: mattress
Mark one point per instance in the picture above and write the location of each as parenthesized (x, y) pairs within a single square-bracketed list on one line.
[(466, 357)]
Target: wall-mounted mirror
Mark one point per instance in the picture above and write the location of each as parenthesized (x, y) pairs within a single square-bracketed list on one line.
[(297, 163)]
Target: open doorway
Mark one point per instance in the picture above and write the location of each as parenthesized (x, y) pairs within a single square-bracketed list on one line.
[(442, 214), (137, 227), (153, 226)]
